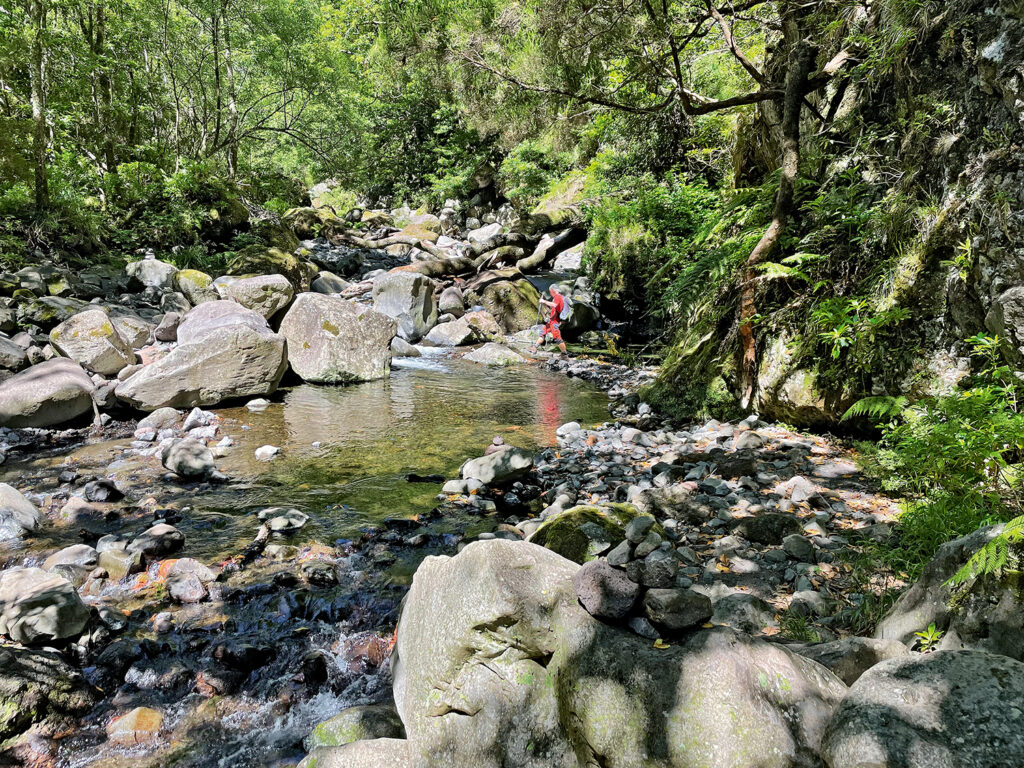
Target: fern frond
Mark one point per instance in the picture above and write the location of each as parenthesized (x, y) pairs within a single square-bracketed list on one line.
[(877, 408), (992, 557), (772, 271)]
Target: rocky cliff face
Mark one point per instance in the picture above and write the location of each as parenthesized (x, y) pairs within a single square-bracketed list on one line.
[(915, 202)]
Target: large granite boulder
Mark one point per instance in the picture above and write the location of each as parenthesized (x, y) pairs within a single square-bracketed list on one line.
[(151, 273), (408, 297), (471, 328), (212, 315), (12, 357), (18, 515), (309, 222), (39, 607), (266, 294), (331, 340), (498, 665), (46, 394), (257, 260), (212, 363), (959, 709), (90, 339), (135, 330)]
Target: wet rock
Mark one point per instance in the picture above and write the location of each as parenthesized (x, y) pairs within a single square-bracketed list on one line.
[(188, 458), (956, 708), (332, 340), (140, 726), (851, 657), (102, 490), (402, 348), (605, 592), (77, 554), (363, 651), (283, 520), (499, 468), (320, 573), (47, 394), (159, 540), (373, 721), (676, 609), (187, 579), (495, 355), (119, 563), (376, 753), (267, 452), (18, 515), (407, 297), (39, 607)]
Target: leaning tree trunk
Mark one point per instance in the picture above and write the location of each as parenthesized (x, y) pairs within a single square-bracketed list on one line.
[(37, 9), (801, 58)]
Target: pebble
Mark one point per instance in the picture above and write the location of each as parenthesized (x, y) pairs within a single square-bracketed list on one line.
[(267, 452)]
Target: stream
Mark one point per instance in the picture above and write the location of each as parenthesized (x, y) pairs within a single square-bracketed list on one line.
[(299, 634)]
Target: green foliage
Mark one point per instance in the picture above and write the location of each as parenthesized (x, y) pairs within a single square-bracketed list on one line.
[(928, 638), (953, 457), (994, 556), (877, 408)]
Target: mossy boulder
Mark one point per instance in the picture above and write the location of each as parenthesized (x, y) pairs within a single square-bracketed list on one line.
[(311, 222), (508, 296), (357, 724), (37, 686), (373, 219), (276, 234), (420, 233), (225, 217), (258, 260), (48, 311), (582, 533), (195, 286)]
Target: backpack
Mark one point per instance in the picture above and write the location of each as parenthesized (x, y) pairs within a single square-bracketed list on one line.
[(566, 312)]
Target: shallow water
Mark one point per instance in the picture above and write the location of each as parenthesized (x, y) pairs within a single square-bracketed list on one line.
[(346, 455)]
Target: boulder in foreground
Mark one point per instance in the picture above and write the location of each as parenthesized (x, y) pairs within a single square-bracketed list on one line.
[(948, 708), (39, 607), (498, 664)]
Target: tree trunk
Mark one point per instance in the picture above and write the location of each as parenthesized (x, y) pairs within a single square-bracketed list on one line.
[(37, 74), (801, 59), (229, 70)]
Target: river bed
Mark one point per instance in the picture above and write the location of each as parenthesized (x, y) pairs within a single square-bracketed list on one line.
[(346, 456)]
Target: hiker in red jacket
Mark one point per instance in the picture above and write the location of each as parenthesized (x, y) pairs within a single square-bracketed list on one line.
[(554, 322)]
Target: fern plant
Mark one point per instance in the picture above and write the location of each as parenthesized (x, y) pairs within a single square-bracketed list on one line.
[(993, 557), (878, 408)]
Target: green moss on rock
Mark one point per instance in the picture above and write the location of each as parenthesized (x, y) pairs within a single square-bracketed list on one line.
[(574, 532)]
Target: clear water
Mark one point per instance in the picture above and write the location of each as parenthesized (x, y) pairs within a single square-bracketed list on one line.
[(346, 454)]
